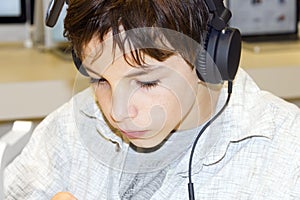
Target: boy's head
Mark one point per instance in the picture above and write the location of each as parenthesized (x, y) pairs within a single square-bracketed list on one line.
[(149, 87), (95, 19)]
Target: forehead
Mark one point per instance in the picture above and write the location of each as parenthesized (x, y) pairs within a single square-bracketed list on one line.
[(96, 50), (136, 40), (101, 58), (106, 66), (98, 55)]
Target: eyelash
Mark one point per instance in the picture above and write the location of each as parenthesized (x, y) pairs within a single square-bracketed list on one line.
[(144, 85), (97, 80), (148, 85)]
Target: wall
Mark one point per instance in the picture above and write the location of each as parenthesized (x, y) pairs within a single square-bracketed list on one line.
[(13, 32)]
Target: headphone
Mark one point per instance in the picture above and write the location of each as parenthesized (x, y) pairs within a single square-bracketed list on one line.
[(220, 58), (218, 61)]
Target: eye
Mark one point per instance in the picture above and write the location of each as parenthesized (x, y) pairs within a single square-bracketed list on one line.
[(99, 81), (148, 84)]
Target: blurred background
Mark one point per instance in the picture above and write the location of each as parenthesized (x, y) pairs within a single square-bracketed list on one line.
[(37, 74), (36, 70)]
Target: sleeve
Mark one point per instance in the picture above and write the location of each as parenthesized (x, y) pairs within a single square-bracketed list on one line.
[(41, 170), (295, 182)]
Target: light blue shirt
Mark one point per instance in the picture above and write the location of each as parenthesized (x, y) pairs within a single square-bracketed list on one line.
[(252, 151)]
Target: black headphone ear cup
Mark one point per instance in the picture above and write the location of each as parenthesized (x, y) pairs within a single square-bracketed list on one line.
[(228, 52), (207, 70), (200, 59), (219, 58), (78, 64)]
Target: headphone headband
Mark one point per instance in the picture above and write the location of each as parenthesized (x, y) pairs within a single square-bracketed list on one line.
[(221, 14), (53, 12), (217, 62)]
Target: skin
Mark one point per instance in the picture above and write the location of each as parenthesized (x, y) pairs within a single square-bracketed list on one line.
[(146, 104), (63, 196)]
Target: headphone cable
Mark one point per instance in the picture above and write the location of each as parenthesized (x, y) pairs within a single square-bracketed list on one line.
[(190, 184)]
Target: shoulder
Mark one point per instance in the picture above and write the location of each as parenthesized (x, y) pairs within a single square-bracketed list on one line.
[(45, 162), (249, 98), (264, 131), (253, 112), (265, 114), (65, 115), (59, 127)]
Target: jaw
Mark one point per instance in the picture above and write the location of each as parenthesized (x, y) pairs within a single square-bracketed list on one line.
[(203, 107)]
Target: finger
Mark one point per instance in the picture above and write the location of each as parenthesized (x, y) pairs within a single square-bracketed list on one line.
[(63, 196)]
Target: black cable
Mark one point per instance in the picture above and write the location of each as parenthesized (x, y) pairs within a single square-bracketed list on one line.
[(190, 184)]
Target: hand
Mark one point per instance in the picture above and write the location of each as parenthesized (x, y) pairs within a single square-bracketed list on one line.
[(63, 196)]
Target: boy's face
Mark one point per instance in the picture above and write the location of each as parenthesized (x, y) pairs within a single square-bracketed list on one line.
[(146, 103)]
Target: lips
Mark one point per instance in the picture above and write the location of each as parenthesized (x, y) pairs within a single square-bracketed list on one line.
[(133, 134)]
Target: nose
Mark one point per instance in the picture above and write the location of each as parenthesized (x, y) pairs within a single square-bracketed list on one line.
[(122, 105)]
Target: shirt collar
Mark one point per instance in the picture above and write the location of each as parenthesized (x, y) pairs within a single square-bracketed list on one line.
[(243, 118), (90, 108)]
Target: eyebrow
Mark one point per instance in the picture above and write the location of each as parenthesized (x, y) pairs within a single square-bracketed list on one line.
[(147, 69), (142, 72)]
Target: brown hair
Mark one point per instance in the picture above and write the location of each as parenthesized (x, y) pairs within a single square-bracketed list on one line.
[(86, 19)]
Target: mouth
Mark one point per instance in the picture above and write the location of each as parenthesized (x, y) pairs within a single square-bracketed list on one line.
[(133, 134)]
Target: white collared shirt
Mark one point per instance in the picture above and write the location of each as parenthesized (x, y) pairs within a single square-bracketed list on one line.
[(252, 151)]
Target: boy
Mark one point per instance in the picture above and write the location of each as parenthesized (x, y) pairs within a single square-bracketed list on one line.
[(130, 135)]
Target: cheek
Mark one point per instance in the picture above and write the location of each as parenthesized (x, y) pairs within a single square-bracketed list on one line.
[(157, 109), (104, 100), (181, 95)]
